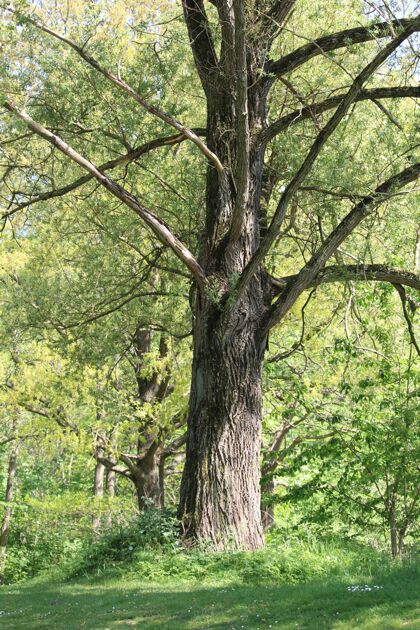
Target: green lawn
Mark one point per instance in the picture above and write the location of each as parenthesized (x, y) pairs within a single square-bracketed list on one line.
[(104, 604)]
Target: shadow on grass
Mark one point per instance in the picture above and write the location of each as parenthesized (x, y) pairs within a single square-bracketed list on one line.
[(102, 605)]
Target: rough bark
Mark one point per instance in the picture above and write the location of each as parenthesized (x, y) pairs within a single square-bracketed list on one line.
[(220, 494), (220, 489)]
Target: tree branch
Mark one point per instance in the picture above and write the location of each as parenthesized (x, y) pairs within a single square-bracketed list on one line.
[(304, 113), (110, 465), (173, 447), (341, 39), (274, 19), (401, 292), (158, 227), (315, 150), (128, 157), (167, 118), (341, 273), (201, 42), (242, 126), (308, 274)]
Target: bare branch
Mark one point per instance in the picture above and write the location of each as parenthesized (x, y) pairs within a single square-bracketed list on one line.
[(341, 273), (401, 292), (298, 344), (158, 227), (304, 113), (173, 447)]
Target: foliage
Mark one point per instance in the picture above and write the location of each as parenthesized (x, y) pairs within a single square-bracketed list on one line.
[(80, 275), (149, 546), (54, 532), (349, 460), (155, 530)]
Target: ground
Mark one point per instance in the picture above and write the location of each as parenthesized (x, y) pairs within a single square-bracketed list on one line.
[(119, 603)]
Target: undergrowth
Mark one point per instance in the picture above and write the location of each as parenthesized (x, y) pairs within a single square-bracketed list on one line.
[(150, 548)]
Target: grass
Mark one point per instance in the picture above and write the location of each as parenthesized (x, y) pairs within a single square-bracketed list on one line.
[(126, 601)]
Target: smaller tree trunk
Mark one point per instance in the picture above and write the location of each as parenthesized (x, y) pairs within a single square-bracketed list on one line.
[(393, 536), (98, 493), (401, 541), (267, 508), (7, 516), (162, 461), (146, 479), (111, 483)]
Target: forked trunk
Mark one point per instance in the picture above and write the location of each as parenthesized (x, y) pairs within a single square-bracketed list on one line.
[(220, 490)]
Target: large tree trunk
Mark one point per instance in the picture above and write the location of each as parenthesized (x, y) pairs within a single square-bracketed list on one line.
[(7, 515), (220, 489), (220, 492)]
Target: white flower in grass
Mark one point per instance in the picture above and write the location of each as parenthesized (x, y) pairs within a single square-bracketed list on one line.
[(363, 588)]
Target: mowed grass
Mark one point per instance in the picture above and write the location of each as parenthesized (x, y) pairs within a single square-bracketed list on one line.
[(130, 602)]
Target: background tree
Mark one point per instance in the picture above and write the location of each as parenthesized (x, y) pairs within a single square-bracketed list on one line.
[(362, 478), (8, 499)]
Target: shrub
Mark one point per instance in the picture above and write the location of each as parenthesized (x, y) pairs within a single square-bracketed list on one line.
[(152, 529)]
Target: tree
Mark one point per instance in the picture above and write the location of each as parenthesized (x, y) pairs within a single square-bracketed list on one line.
[(362, 477), (235, 300), (120, 403), (8, 500)]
